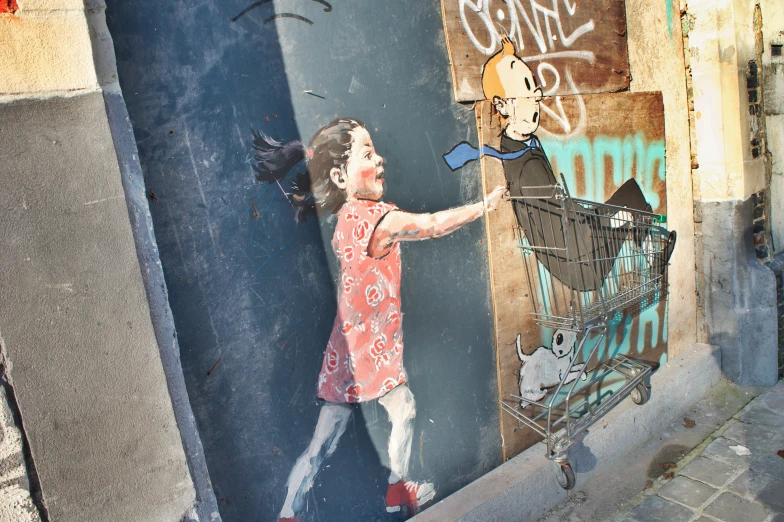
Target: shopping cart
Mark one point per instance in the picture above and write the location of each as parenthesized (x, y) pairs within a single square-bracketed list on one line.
[(585, 262)]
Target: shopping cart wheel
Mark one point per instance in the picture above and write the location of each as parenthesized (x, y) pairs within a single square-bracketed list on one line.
[(640, 394), (565, 475)]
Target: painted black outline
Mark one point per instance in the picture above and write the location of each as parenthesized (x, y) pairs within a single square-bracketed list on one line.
[(327, 9), (250, 8), (287, 15)]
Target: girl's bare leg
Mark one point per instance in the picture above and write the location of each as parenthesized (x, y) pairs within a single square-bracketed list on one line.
[(401, 408), (331, 424)]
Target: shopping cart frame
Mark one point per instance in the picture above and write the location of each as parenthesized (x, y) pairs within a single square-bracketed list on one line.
[(635, 279)]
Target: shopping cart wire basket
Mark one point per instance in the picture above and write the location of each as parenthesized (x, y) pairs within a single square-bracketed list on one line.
[(585, 262)]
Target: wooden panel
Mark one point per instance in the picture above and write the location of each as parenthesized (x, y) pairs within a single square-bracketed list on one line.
[(509, 287), (573, 47), (614, 137)]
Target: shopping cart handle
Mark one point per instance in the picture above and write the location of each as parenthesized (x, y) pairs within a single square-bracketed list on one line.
[(660, 218)]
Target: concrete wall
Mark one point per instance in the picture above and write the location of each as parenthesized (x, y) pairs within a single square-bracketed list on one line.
[(773, 99), (657, 64), (82, 348), (87, 337), (736, 295), (45, 50)]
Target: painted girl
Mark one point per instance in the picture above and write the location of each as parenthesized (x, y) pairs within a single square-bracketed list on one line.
[(363, 361)]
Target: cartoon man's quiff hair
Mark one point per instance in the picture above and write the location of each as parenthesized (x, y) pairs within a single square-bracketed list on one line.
[(491, 82)]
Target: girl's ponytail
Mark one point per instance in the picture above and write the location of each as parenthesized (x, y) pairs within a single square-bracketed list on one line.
[(274, 160), (313, 192)]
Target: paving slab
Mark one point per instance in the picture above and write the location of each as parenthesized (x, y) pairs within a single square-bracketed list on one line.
[(760, 487), (732, 508), (687, 491), (777, 443), (657, 509), (775, 399), (717, 484), (760, 414), (752, 436), (720, 450), (709, 471), (771, 464)]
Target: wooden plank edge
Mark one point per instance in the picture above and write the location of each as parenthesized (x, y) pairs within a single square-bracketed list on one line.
[(488, 241), (452, 66)]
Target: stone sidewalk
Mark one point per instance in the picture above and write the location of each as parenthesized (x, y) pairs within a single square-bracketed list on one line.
[(736, 475)]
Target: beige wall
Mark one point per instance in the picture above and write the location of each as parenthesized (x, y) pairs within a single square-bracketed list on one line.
[(656, 62), (721, 42), (736, 306), (711, 161), (45, 49)]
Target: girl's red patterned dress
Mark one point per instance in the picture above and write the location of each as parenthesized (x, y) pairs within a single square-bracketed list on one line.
[(364, 357)]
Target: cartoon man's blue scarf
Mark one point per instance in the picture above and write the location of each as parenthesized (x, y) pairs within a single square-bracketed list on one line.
[(464, 153)]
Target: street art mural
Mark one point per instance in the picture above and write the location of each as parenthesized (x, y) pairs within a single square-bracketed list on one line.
[(363, 360), (345, 380), (516, 98), (573, 47), (261, 128), (542, 127), (548, 366)]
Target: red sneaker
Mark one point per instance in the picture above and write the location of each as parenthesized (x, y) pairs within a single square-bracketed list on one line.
[(410, 494)]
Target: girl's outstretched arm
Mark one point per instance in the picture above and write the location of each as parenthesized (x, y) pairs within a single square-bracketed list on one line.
[(404, 226)]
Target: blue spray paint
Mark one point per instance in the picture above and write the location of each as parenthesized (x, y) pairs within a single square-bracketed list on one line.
[(632, 156)]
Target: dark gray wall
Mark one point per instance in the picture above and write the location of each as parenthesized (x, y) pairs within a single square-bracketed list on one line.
[(739, 294), (253, 299), (75, 326)]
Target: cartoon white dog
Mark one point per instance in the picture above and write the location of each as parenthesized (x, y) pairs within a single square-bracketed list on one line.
[(546, 366)]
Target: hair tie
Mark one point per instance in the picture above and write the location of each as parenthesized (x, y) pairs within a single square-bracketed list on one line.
[(310, 153)]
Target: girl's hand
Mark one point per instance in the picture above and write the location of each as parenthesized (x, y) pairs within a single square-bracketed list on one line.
[(494, 198)]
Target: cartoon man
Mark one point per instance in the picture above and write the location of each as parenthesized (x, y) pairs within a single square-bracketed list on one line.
[(511, 86)]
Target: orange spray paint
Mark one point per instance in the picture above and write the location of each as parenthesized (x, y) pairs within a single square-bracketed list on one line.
[(8, 6)]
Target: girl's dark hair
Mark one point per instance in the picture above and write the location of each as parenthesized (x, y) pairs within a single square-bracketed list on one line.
[(313, 192)]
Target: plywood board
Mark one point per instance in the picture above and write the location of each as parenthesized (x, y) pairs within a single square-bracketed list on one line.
[(612, 137), (573, 47)]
